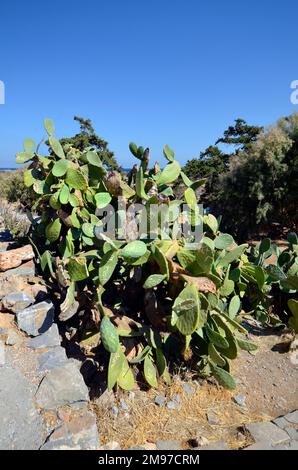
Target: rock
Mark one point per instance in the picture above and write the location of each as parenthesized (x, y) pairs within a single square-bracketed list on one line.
[(61, 386), (49, 339), (6, 324), (124, 405), (292, 417), (188, 389), (38, 291), (13, 338), (267, 432), (281, 422), (218, 445), (80, 433), (239, 399), (260, 445), (168, 445), (69, 312), (10, 284), (21, 424), (106, 399), (36, 319), (112, 445), (212, 418), (114, 411), (175, 403), (291, 445), (160, 400), (4, 246), (55, 357), (17, 301), (27, 284), (2, 353), (26, 269), (131, 396), (292, 432), (13, 258), (172, 405)]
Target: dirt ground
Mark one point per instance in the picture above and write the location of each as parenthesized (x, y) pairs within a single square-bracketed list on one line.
[(268, 380)]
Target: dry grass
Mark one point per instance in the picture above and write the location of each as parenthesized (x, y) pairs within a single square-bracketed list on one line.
[(147, 422)]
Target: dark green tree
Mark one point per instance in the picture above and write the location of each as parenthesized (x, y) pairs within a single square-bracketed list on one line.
[(88, 138), (210, 162), (240, 135)]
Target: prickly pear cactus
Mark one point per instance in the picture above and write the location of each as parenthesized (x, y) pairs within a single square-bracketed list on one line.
[(153, 300)]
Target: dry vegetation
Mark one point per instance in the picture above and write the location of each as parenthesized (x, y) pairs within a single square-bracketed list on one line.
[(148, 422)]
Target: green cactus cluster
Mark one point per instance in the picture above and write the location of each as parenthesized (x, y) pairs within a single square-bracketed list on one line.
[(158, 297), (278, 274)]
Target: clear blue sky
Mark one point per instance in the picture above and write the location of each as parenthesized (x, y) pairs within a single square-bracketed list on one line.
[(155, 71)]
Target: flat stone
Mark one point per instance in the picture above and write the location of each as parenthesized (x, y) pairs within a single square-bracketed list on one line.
[(21, 425), (260, 445), (55, 357), (239, 399), (267, 432), (14, 283), (36, 319), (160, 400), (13, 338), (281, 422), (49, 339), (218, 445), (292, 417), (212, 418), (61, 386), (17, 301), (292, 432), (26, 269), (168, 445), (9, 283), (80, 433), (291, 445), (2, 353), (14, 258)]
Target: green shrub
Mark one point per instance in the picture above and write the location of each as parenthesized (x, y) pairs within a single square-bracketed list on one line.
[(173, 303), (262, 179), (13, 189), (14, 220), (281, 276)]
